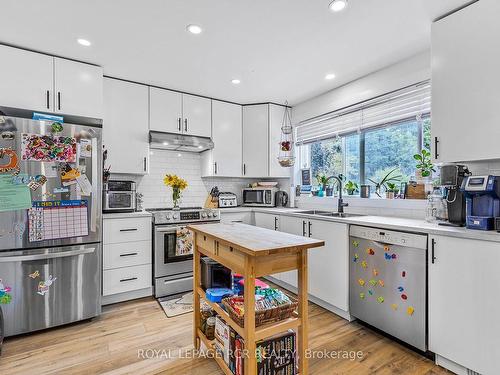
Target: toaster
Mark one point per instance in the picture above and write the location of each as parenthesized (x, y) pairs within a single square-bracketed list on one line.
[(227, 200)]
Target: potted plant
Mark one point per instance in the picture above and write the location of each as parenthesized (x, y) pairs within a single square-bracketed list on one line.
[(384, 180), (351, 187), (323, 181), (391, 190), (177, 184), (424, 165)]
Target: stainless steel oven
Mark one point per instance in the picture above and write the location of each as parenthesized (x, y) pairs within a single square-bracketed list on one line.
[(173, 248), (119, 196)]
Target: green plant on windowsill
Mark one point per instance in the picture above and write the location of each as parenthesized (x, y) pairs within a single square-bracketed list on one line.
[(351, 187), (385, 180), (424, 164), (323, 180)]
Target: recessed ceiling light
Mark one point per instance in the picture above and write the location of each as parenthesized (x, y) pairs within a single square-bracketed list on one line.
[(165, 143), (194, 29), (330, 76), (200, 147), (338, 5), (179, 155), (235, 81), (83, 42)]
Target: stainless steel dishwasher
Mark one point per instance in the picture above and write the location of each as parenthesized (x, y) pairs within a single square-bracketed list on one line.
[(388, 282)]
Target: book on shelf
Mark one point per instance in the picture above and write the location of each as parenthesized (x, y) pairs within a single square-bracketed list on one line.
[(277, 355)]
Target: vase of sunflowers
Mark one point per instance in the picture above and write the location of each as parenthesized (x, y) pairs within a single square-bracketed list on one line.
[(177, 184)]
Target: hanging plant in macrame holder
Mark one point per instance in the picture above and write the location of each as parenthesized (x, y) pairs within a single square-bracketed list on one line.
[(286, 145)]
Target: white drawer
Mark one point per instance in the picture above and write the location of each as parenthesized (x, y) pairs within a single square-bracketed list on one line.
[(126, 254), (127, 230), (126, 279)]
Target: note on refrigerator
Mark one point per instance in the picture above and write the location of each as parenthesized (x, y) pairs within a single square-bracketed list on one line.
[(13, 196), (84, 184)]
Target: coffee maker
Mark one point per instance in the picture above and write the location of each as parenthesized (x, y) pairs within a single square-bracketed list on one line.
[(452, 178)]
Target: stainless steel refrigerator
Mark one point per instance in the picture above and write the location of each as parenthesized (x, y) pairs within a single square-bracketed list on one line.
[(50, 220)]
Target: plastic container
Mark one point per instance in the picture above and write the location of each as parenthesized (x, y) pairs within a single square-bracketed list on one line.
[(215, 295)]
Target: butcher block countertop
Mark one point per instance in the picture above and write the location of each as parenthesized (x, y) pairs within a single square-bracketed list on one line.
[(256, 241)]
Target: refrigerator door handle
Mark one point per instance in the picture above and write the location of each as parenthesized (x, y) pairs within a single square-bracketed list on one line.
[(24, 258)]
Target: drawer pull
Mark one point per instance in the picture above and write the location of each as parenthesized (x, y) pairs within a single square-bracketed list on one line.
[(128, 230), (128, 254), (129, 279)]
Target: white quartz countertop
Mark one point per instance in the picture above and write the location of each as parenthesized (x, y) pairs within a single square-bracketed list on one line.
[(125, 215), (393, 223)]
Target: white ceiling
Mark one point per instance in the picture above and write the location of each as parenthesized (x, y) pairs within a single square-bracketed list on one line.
[(279, 49)]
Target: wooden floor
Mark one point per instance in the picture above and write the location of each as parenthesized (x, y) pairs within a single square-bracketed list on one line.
[(112, 344)]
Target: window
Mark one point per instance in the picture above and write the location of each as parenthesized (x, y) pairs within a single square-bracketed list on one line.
[(366, 143)]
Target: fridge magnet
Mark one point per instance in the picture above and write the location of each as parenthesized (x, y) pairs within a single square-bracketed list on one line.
[(370, 251), (34, 275), (70, 174), (355, 243), (37, 147), (84, 184), (381, 283), (46, 117), (361, 282), (60, 190), (44, 286), (410, 310), (404, 296), (56, 127), (394, 306), (51, 170), (85, 148), (48, 195), (373, 282), (355, 258), (37, 182), (403, 274), (388, 256), (8, 136), (380, 299), (375, 272), (401, 289), (12, 163), (370, 292), (387, 248), (364, 264), (5, 297), (362, 295), (394, 256)]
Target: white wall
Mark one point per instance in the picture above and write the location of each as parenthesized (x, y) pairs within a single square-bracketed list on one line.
[(187, 166), (394, 77)]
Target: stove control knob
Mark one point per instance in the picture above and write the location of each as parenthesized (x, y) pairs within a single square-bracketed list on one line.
[(209, 214), (215, 213), (175, 216), (168, 216), (203, 215)]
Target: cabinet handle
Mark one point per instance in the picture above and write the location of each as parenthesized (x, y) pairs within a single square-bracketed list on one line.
[(129, 279), (215, 167), (436, 154), (59, 100), (128, 230), (145, 164), (433, 248), (128, 255), (179, 124), (275, 223), (303, 228), (185, 124), (244, 169), (310, 226), (48, 99)]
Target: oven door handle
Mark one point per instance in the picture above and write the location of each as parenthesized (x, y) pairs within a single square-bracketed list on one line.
[(168, 230)]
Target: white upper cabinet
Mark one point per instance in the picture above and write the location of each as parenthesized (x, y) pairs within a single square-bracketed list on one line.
[(78, 88), (165, 110), (26, 79), (174, 112), (256, 140), (125, 126), (225, 158), (276, 113), (197, 113), (38, 82), (465, 84)]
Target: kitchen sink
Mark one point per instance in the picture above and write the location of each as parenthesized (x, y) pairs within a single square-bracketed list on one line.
[(330, 214)]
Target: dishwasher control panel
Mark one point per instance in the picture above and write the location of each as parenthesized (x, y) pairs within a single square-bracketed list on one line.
[(414, 240)]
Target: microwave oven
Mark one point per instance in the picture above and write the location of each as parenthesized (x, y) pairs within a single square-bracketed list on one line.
[(259, 197), (119, 196)]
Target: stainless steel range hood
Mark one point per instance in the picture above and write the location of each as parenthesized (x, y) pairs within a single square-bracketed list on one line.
[(179, 142)]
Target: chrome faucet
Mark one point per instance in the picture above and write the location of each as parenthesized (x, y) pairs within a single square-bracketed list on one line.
[(340, 182)]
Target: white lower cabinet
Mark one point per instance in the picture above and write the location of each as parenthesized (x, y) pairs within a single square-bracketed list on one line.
[(328, 265), (244, 217), (463, 302), (127, 258)]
